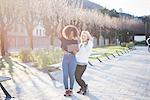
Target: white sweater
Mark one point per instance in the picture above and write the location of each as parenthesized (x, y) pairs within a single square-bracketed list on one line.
[(84, 52)]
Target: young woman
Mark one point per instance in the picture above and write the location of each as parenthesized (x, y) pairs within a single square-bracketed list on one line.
[(82, 56), (69, 44)]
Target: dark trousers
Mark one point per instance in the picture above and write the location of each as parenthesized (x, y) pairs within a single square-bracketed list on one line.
[(80, 69)]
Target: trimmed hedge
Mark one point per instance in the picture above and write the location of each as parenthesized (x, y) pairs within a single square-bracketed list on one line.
[(41, 57), (25, 55), (129, 45), (140, 43)]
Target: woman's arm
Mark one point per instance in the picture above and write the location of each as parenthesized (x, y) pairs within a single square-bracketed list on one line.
[(148, 41), (89, 45), (74, 48)]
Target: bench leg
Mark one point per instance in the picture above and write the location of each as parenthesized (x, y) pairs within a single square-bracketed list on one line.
[(5, 91)]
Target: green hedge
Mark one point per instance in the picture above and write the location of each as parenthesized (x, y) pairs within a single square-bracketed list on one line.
[(140, 43), (42, 57), (128, 45), (123, 44), (25, 55), (46, 57)]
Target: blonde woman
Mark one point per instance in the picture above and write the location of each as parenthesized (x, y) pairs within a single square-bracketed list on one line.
[(82, 56), (69, 44)]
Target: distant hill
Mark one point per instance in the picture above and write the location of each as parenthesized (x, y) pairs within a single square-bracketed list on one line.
[(126, 15), (91, 5), (86, 4)]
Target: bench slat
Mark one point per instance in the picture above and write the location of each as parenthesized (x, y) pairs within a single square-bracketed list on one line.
[(3, 78)]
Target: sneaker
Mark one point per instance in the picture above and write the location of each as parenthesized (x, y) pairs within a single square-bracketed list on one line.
[(79, 90), (66, 92), (70, 92), (84, 90)]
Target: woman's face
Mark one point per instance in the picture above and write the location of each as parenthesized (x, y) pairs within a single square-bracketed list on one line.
[(84, 37), (71, 36)]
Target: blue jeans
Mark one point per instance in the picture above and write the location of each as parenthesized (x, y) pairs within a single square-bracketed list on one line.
[(69, 66)]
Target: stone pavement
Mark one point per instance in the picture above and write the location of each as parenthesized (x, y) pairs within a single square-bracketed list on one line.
[(28, 83), (123, 78), (126, 77)]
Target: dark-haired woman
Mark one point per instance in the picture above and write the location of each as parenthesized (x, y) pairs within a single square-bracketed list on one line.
[(69, 44)]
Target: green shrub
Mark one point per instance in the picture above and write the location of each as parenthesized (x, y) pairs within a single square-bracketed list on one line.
[(25, 55), (41, 57), (46, 57), (140, 43), (130, 45), (123, 44)]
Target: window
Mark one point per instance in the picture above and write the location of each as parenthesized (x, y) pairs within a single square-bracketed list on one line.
[(37, 32), (40, 32)]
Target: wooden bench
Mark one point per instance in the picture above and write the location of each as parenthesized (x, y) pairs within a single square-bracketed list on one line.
[(3, 79)]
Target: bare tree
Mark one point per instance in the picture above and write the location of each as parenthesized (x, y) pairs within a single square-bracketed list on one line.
[(54, 18), (30, 16), (8, 13)]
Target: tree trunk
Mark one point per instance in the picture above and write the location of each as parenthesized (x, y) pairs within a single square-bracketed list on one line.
[(116, 38), (52, 40), (3, 42), (104, 41), (120, 38), (109, 40), (98, 41), (30, 38)]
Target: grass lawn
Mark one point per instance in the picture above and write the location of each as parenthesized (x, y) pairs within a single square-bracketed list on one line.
[(101, 51)]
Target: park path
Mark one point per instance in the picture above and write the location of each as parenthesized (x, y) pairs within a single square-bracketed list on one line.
[(125, 77)]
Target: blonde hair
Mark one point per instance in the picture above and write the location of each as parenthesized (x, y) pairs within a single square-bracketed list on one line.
[(88, 35)]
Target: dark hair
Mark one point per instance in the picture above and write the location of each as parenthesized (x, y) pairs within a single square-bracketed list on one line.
[(70, 29)]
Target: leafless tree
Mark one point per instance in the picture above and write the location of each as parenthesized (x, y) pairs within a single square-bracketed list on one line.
[(30, 15), (8, 15)]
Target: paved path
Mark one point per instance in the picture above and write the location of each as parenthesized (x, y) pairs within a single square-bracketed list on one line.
[(126, 77), (123, 78)]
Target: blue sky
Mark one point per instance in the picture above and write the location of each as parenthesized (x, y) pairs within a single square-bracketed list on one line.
[(134, 7)]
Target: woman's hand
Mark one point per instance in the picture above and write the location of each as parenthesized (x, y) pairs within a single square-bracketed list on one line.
[(73, 48)]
